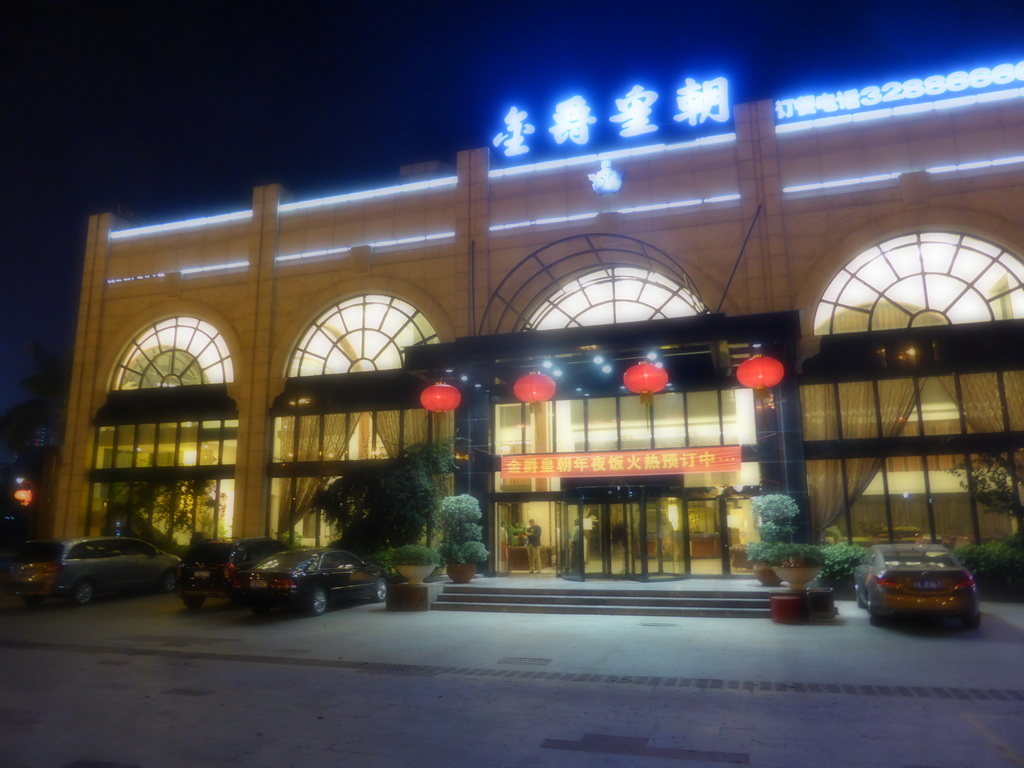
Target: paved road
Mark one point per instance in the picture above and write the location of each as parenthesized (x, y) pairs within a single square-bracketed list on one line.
[(138, 682)]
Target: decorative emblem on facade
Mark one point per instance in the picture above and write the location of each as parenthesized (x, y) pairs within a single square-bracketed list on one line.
[(606, 181)]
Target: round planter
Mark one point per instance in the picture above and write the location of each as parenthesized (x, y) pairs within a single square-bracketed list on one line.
[(797, 578), (765, 574), (415, 573), (461, 573)]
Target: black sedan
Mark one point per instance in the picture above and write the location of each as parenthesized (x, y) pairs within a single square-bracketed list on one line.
[(310, 579)]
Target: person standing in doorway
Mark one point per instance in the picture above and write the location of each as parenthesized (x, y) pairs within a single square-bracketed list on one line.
[(533, 532)]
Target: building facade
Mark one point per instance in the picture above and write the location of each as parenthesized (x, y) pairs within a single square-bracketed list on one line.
[(228, 368)]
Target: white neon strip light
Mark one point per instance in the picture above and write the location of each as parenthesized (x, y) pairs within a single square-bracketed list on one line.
[(617, 154), (215, 267), (998, 162), (378, 244), (401, 189), (841, 183), (908, 109), (116, 280), (952, 168), (633, 209), (174, 225)]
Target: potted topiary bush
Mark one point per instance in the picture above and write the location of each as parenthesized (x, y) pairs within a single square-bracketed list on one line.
[(775, 513), (462, 544), (796, 564), (415, 561)]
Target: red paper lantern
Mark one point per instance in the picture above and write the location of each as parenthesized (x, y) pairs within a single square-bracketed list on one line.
[(759, 372), (534, 388), (645, 379), (440, 397)]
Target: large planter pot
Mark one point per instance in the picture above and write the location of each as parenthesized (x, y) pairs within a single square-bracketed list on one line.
[(765, 574), (461, 573), (797, 578), (415, 573)]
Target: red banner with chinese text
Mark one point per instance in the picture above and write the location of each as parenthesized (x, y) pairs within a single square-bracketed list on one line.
[(622, 463)]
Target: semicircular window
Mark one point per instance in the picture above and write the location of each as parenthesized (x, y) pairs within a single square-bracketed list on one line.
[(616, 294), (926, 278), (364, 333), (176, 352)]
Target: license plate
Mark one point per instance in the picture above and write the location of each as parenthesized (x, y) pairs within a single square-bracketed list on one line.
[(258, 584), (201, 574), (928, 584)]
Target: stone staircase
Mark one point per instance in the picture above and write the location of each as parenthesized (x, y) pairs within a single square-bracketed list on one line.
[(595, 600)]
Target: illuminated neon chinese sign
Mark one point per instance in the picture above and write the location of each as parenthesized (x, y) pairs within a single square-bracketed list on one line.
[(993, 82), (639, 112), (622, 463)]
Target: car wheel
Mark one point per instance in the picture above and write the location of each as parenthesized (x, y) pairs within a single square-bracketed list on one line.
[(380, 590), (316, 603), (859, 591), (971, 622), (260, 609), (83, 592), (33, 600), (193, 602), (168, 582)]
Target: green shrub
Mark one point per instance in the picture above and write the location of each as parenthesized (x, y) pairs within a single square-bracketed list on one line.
[(461, 534), (760, 551), (414, 554), (994, 561), (840, 562), (775, 513), (796, 555)]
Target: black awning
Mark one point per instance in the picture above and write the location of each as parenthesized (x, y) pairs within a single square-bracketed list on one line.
[(197, 403)]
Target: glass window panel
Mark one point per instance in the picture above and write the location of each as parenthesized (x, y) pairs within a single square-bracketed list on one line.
[(857, 410), (669, 425), (309, 438), (1013, 383), (105, 447), (571, 430), (950, 503), (702, 424), (907, 499), (730, 427), (145, 448), (166, 445), (360, 443), (602, 424), (634, 424), (188, 444), (509, 433), (229, 450), (335, 436), (125, 446), (982, 405), (939, 408), (818, 409)]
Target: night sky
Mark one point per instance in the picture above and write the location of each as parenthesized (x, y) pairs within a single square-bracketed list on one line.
[(178, 109)]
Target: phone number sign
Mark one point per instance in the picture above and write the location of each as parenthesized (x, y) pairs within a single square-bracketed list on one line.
[(622, 463)]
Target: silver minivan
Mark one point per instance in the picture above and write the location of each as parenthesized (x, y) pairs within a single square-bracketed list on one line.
[(81, 568)]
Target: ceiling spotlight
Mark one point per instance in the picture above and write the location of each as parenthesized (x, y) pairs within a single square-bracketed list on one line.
[(547, 363), (463, 377), (598, 359), (606, 368), (557, 372), (652, 355)]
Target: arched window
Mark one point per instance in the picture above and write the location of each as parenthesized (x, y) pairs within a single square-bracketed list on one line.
[(613, 295), (364, 333), (176, 352), (926, 278)]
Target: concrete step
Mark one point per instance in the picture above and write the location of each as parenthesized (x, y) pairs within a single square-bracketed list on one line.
[(612, 602)]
